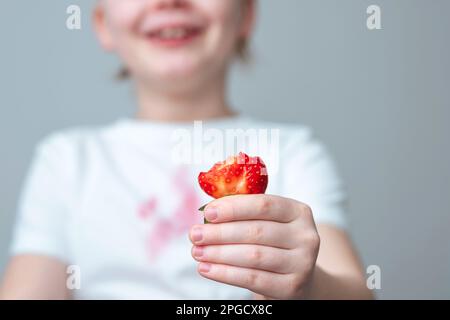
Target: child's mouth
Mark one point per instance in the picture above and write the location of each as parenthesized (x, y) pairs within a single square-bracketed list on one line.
[(174, 36)]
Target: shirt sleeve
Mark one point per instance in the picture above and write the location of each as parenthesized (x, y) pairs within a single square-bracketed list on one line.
[(43, 207), (311, 176)]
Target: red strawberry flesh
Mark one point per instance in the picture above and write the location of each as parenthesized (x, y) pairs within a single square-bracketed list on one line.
[(237, 175)]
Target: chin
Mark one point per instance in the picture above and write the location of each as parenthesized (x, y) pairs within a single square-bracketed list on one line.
[(177, 69)]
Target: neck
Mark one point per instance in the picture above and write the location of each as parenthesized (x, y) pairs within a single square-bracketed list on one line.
[(208, 101)]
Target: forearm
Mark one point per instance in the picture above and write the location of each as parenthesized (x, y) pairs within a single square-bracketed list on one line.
[(30, 277), (327, 286)]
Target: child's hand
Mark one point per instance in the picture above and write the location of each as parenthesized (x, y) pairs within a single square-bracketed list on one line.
[(267, 244)]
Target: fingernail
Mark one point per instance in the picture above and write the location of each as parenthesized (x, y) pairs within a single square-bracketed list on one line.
[(204, 267), (197, 234), (211, 214), (198, 252)]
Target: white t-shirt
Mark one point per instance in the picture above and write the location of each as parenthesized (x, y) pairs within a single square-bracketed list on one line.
[(118, 201)]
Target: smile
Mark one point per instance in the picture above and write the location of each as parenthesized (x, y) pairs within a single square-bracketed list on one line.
[(174, 36)]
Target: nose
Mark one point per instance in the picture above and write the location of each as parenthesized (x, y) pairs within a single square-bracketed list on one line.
[(172, 4)]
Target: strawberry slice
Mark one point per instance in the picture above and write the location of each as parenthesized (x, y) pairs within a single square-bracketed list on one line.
[(239, 174)]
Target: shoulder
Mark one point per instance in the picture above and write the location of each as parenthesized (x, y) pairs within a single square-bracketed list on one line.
[(295, 150), (69, 152), (73, 140), (305, 171)]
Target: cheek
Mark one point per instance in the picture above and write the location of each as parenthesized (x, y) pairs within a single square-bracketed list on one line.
[(123, 15), (224, 19), (222, 12), (122, 18)]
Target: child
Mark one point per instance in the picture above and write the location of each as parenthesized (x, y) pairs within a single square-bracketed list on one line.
[(120, 205)]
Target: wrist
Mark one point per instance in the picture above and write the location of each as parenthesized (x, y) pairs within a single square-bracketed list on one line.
[(315, 281)]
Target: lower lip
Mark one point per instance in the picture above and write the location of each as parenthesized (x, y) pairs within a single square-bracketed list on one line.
[(175, 43)]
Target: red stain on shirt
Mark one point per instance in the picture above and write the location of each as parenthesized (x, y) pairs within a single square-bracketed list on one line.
[(186, 213), (178, 224), (147, 209), (159, 238)]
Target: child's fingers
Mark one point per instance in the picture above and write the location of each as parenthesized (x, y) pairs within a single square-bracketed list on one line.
[(273, 285), (252, 207), (266, 233), (247, 256)]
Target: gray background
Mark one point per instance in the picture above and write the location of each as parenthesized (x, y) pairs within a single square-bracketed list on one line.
[(379, 99)]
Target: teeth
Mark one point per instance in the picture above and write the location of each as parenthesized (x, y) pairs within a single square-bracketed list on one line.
[(173, 33)]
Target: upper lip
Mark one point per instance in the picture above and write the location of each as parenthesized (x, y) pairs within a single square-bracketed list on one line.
[(160, 21)]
